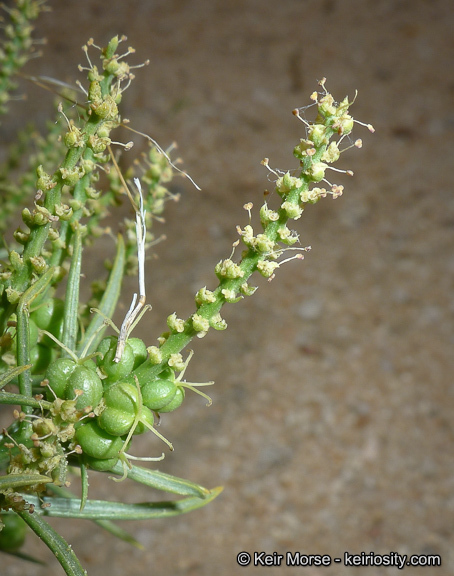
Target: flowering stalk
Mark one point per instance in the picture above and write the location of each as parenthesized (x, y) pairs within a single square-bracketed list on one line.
[(315, 152), (83, 397)]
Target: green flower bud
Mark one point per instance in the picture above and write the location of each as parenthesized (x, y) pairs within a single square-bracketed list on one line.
[(286, 183), (312, 196), (292, 210), (99, 465), (71, 176), (16, 260), (205, 296), (45, 181), (98, 144), (230, 296), (155, 355), (74, 138), (175, 324), (38, 263), (331, 154), (303, 149), (13, 295), (217, 322), (63, 212), (264, 244), (247, 290), (95, 92), (106, 108), (317, 134), (287, 236), (326, 105), (199, 323), (228, 269), (267, 215), (316, 171), (267, 268)]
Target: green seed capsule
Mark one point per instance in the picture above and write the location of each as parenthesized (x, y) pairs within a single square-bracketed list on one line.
[(116, 422), (122, 396), (139, 350), (97, 443), (58, 375), (50, 316), (147, 417), (105, 345), (82, 378), (158, 393), (117, 370), (34, 333), (100, 465), (121, 401), (12, 536), (40, 357), (176, 402)]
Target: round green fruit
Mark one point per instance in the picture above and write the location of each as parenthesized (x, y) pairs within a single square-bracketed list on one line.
[(97, 443), (12, 536), (58, 375), (86, 380)]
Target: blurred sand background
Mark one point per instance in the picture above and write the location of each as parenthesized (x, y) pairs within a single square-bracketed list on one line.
[(331, 426)]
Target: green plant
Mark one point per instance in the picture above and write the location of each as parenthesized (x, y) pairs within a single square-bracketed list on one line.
[(82, 396)]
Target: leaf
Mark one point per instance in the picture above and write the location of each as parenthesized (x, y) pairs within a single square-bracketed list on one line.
[(162, 481), (84, 482), (21, 400), (71, 310), (119, 533), (11, 374), (108, 301), (106, 524), (18, 481), (104, 510)]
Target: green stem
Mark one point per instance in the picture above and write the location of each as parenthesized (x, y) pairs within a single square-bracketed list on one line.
[(58, 545), (23, 336)]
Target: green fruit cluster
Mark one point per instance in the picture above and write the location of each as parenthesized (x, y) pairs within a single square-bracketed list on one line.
[(114, 404)]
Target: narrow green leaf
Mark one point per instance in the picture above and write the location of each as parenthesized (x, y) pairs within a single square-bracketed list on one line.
[(119, 533), (105, 524), (104, 510), (162, 481), (58, 545), (6, 377), (93, 334), (71, 309), (18, 481), (84, 482), (21, 400)]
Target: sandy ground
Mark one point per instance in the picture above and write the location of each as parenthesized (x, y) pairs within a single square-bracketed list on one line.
[(331, 428)]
